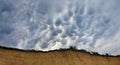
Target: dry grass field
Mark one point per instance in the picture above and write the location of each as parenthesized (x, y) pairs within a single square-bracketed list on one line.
[(67, 57)]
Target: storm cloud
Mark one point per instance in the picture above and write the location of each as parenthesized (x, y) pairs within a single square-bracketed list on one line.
[(92, 25)]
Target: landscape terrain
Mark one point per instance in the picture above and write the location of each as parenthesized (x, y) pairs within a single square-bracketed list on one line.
[(10, 56)]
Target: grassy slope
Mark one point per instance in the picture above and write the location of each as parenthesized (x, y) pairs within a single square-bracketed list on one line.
[(66, 57)]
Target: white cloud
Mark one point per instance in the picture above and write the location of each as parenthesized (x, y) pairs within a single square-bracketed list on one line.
[(47, 25)]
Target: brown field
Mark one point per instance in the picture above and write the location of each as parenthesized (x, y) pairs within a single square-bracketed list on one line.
[(68, 57)]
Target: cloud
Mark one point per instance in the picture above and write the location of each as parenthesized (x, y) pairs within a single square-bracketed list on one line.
[(48, 25)]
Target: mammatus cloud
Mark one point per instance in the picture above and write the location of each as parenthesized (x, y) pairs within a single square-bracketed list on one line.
[(53, 24)]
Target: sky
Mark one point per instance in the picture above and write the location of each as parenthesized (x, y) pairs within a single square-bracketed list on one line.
[(44, 25)]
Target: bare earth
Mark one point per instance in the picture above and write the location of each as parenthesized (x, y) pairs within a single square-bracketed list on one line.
[(69, 57)]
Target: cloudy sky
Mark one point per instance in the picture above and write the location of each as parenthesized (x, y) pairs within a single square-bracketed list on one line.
[(92, 25)]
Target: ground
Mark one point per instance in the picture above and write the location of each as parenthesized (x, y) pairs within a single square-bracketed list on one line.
[(66, 57)]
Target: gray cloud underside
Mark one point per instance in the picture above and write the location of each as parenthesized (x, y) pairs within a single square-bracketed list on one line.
[(93, 25)]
